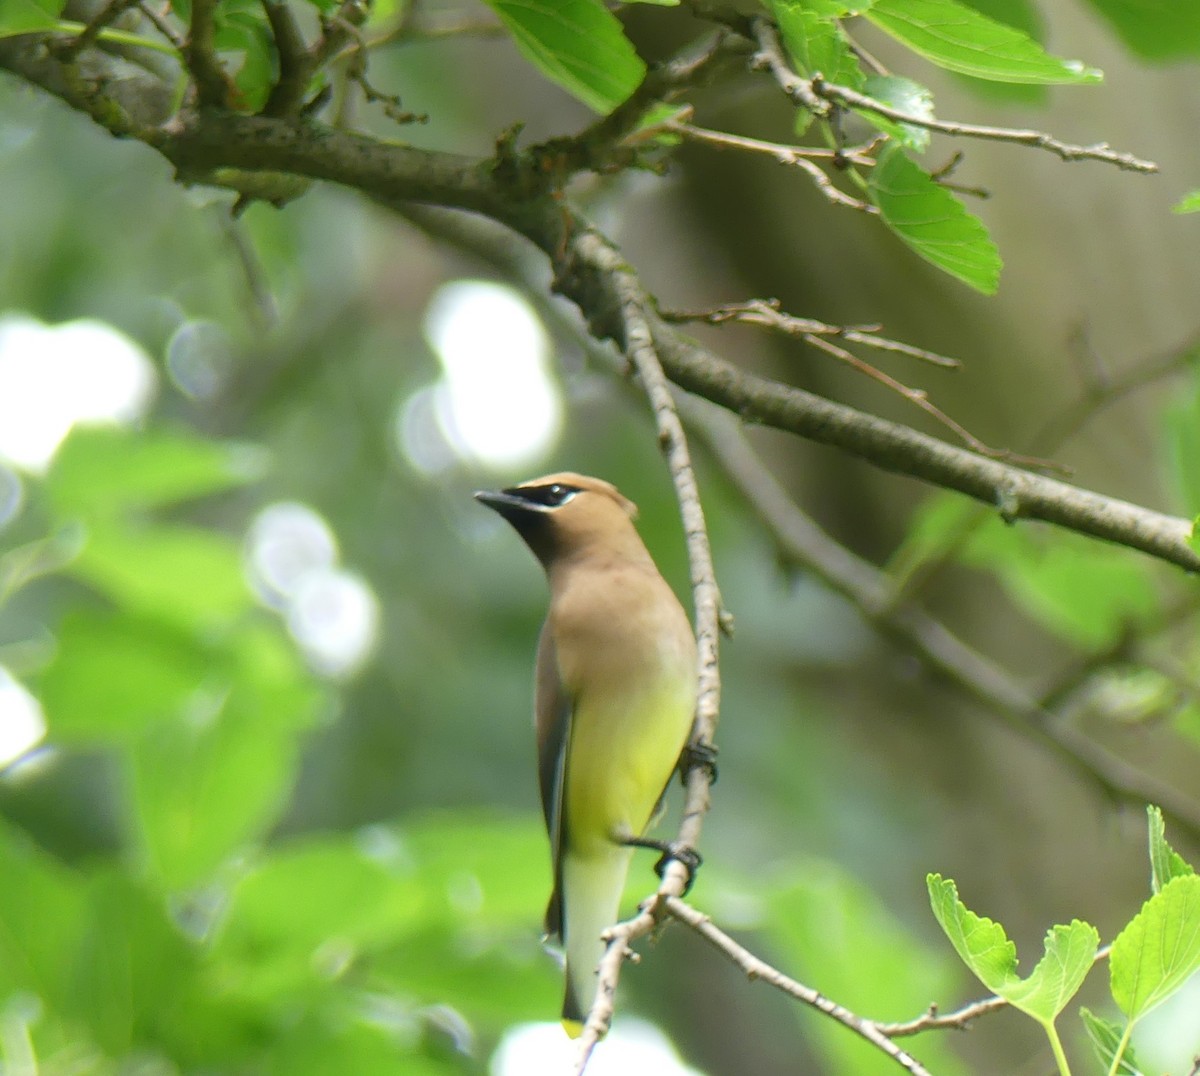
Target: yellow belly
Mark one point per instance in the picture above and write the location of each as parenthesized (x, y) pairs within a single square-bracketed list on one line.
[(620, 758)]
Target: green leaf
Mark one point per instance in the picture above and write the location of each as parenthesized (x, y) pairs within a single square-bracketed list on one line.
[(826, 924), (1159, 949), (103, 471), (186, 576), (415, 900), (956, 37), (1022, 15), (816, 43), (114, 675), (909, 97), (211, 782), (578, 44), (1082, 590), (933, 222), (29, 16), (1189, 203), (1156, 29), (41, 903), (243, 30), (1105, 1037), (984, 947), (133, 969), (1165, 862)]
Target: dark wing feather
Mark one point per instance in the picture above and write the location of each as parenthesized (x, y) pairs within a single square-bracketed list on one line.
[(552, 717)]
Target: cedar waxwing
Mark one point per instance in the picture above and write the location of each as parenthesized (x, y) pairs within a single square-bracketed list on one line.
[(614, 697)]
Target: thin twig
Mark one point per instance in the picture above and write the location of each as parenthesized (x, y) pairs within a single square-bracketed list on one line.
[(200, 54), (818, 95), (161, 24), (295, 61), (758, 969), (768, 313), (960, 1018), (104, 18), (817, 334), (793, 156), (770, 57), (920, 398), (931, 1021), (1099, 151)]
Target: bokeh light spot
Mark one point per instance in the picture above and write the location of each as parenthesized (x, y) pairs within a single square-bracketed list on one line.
[(633, 1048), (292, 562), (52, 377), (22, 724), (497, 403)]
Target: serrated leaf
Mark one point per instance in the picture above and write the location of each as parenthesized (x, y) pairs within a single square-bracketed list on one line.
[(1105, 1037), (956, 37), (1069, 953), (1189, 203), (1159, 949), (933, 222), (1021, 15), (578, 44), (1165, 862), (816, 44), (983, 945), (909, 97)]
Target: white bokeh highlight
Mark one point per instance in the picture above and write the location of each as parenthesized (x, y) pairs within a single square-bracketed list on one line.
[(632, 1048), (497, 404), (53, 377), (22, 723), (292, 562)]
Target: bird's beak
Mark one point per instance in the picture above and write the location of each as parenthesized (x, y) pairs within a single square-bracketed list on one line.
[(504, 502)]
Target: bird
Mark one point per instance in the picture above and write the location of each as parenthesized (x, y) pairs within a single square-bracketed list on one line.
[(614, 700)]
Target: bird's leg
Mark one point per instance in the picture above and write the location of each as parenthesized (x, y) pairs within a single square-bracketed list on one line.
[(682, 853), (702, 756)]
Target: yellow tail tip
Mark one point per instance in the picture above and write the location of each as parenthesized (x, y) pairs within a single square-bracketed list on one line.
[(573, 1028)]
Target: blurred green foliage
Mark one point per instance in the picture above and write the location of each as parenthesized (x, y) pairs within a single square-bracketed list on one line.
[(227, 862)]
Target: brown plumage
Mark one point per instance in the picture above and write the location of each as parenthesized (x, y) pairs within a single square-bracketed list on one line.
[(614, 697)]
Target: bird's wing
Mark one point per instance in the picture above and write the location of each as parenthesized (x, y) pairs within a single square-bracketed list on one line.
[(553, 707)]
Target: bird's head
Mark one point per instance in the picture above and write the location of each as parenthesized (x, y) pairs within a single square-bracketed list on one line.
[(565, 513)]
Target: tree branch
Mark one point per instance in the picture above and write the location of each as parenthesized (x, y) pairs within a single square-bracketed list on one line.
[(758, 969), (201, 143), (636, 340), (801, 541), (200, 55)]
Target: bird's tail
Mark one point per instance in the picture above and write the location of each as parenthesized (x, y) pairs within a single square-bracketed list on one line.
[(591, 901)]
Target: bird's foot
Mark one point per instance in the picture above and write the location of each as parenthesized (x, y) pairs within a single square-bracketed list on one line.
[(671, 850), (699, 756)]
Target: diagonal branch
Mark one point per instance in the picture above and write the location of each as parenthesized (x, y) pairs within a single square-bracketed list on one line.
[(1099, 151), (800, 540), (758, 969), (819, 97)]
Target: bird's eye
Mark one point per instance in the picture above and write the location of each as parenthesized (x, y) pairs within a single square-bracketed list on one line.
[(552, 495)]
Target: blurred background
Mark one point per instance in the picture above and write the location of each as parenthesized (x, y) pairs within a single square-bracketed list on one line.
[(268, 799)]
